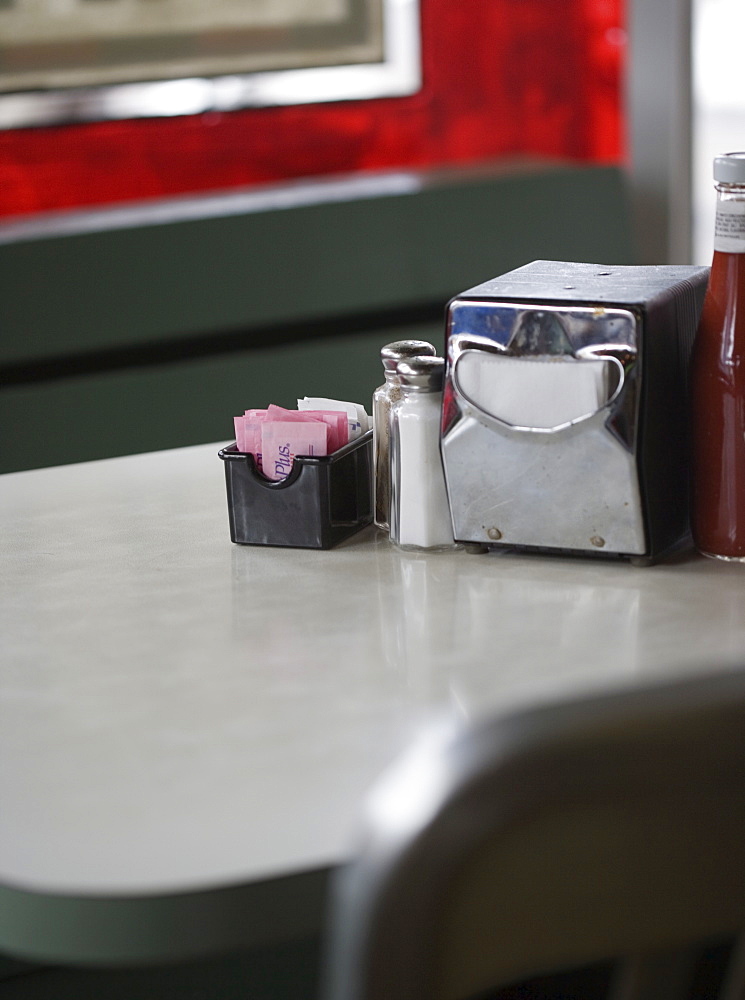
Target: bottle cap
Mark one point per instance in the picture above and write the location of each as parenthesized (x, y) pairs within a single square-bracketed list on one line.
[(730, 168), (425, 374), (391, 354)]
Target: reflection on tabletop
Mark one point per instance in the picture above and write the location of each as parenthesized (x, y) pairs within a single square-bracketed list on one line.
[(468, 634)]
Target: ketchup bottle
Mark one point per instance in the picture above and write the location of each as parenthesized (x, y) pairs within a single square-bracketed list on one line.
[(718, 379)]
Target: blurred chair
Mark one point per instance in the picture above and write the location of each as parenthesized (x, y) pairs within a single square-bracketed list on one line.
[(611, 828)]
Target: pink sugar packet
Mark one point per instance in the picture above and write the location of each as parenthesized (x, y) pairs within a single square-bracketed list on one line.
[(248, 433), (336, 421), (252, 424), (282, 440)]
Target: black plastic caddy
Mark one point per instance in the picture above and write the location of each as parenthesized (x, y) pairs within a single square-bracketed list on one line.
[(324, 500)]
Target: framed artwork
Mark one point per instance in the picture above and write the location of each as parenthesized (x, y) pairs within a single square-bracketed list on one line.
[(472, 82), (94, 60)]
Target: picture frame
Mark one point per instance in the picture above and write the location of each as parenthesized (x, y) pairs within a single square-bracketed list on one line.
[(108, 62)]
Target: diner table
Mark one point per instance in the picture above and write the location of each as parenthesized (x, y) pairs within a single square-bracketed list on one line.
[(188, 727)]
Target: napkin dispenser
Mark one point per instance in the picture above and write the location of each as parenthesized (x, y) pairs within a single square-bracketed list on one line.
[(565, 408)]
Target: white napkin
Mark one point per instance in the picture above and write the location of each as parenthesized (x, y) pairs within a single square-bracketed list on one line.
[(538, 392)]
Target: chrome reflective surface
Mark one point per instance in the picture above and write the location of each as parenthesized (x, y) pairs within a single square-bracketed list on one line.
[(562, 474), (399, 73)]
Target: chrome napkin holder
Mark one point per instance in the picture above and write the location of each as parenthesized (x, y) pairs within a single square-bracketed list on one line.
[(565, 410)]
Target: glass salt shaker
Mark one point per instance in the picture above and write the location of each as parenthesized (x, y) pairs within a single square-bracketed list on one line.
[(383, 398), (420, 511)]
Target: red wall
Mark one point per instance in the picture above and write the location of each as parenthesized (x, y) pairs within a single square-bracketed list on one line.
[(501, 77)]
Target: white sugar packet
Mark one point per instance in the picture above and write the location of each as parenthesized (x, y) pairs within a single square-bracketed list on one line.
[(359, 421)]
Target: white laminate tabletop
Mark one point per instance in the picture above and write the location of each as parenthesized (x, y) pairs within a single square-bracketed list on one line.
[(179, 713)]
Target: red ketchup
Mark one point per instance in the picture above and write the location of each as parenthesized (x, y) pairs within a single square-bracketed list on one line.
[(718, 379)]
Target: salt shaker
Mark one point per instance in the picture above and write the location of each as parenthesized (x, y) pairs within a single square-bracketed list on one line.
[(383, 399), (420, 511)]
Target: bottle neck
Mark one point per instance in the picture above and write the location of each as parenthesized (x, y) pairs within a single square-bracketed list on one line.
[(729, 224), (729, 192)]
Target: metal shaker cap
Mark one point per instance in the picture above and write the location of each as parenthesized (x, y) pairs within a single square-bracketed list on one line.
[(423, 374), (730, 168), (400, 350)]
